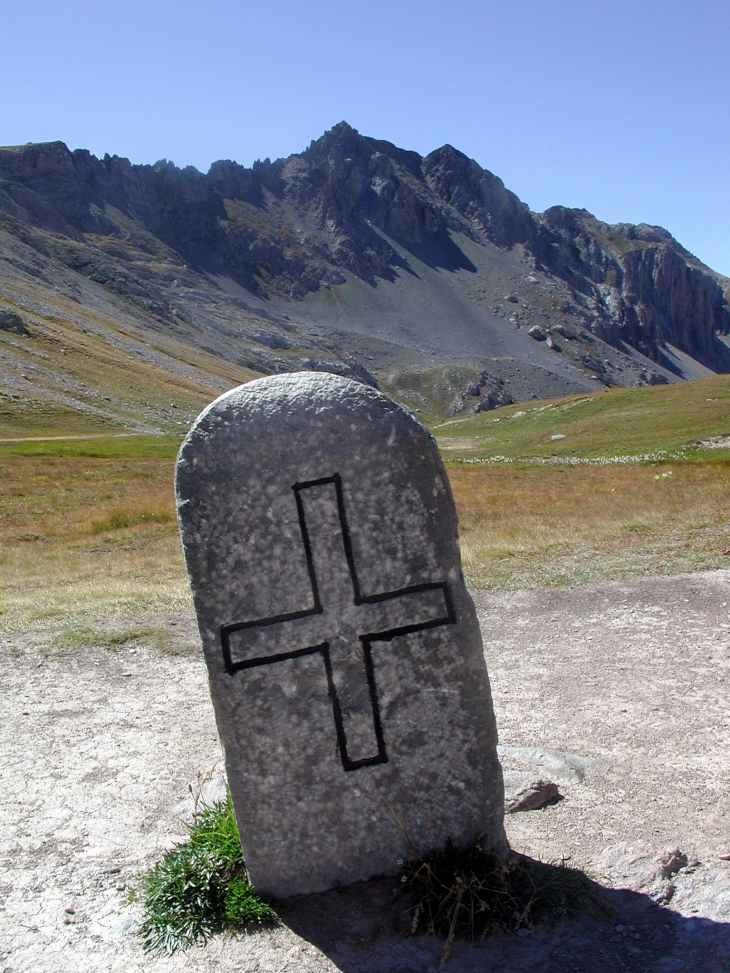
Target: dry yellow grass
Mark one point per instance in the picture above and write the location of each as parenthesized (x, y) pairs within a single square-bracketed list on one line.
[(523, 525), (85, 539), (88, 542)]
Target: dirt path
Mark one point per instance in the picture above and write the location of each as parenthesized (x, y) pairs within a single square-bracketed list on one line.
[(635, 675), (99, 747)]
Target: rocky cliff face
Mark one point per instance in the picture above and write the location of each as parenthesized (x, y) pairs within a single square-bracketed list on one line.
[(350, 207), (639, 284)]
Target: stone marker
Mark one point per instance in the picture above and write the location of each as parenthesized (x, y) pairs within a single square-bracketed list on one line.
[(343, 649)]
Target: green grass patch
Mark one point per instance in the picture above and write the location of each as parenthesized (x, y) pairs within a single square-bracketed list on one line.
[(200, 886), (120, 446), (637, 527), (472, 893), (119, 519), (80, 637), (164, 640), (83, 636)]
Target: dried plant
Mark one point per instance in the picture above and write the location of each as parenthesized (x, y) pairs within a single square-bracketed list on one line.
[(472, 892)]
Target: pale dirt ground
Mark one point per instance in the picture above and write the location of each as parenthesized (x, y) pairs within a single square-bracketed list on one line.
[(99, 747)]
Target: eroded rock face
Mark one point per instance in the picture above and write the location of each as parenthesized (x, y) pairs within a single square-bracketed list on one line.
[(343, 649), (643, 287)]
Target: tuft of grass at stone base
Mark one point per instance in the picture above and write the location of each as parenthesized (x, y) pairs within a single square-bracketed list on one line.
[(200, 886), (472, 893)]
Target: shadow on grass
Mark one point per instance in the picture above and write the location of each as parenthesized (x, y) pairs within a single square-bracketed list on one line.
[(366, 928)]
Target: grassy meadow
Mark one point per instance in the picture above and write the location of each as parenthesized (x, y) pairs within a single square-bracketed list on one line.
[(607, 485), (88, 540), (610, 423)]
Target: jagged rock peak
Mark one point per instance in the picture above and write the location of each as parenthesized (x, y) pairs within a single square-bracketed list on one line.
[(340, 136), (478, 195)]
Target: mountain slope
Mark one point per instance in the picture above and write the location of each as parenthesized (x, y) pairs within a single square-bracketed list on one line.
[(424, 274)]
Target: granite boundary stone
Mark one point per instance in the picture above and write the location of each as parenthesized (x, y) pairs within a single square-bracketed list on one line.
[(344, 654)]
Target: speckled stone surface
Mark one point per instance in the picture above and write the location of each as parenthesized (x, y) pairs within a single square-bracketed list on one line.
[(343, 650)]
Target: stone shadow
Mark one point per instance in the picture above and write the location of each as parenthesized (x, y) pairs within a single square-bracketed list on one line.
[(365, 928)]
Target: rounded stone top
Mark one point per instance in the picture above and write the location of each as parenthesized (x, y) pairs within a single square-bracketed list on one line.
[(297, 391), (277, 410)]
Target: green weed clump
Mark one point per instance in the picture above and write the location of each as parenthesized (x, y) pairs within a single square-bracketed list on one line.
[(200, 886), (120, 519), (472, 893)]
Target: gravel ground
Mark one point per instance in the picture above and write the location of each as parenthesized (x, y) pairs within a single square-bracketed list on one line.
[(100, 746)]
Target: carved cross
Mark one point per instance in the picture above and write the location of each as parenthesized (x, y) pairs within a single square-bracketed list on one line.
[(341, 624)]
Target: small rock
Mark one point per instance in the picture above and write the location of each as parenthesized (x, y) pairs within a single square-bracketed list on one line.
[(665, 895), (551, 343), (523, 932), (670, 861), (10, 321), (537, 333), (211, 792), (70, 910), (620, 927), (127, 926), (562, 330), (559, 763), (534, 795), (512, 298), (636, 868)]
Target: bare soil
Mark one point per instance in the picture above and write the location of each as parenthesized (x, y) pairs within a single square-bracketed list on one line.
[(99, 747)]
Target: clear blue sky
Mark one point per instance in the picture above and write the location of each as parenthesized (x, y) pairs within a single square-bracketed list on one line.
[(621, 106)]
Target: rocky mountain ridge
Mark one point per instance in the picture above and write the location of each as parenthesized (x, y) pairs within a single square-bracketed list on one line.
[(358, 256)]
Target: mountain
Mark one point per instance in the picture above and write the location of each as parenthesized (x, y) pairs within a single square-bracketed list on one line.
[(423, 275)]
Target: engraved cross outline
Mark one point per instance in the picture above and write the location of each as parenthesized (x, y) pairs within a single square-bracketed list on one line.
[(345, 647)]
